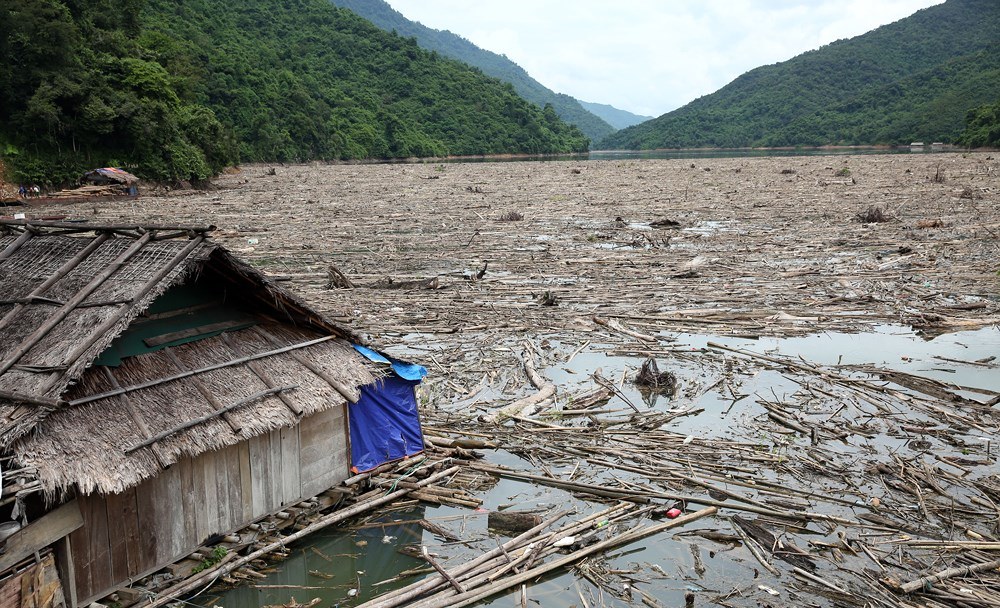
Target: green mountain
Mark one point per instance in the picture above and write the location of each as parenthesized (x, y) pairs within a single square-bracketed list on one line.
[(498, 66), (912, 80), (617, 118), (179, 89)]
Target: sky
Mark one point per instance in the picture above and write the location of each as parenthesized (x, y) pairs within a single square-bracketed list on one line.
[(651, 56)]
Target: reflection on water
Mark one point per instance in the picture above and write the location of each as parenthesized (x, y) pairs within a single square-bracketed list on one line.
[(335, 565)]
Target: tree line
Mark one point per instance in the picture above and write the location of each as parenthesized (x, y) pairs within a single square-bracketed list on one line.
[(181, 89)]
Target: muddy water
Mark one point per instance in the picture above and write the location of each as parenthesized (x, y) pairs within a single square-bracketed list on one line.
[(344, 568)]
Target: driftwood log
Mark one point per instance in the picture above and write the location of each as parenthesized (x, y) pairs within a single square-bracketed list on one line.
[(512, 521)]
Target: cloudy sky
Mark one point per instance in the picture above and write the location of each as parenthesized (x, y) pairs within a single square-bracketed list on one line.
[(651, 56)]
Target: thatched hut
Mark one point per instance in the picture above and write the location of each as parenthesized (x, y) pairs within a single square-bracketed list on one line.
[(109, 175), (112, 178), (155, 391)]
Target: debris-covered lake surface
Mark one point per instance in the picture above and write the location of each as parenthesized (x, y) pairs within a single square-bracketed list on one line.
[(824, 408)]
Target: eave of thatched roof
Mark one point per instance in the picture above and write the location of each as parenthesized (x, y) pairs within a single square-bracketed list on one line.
[(67, 296), (104, 445)]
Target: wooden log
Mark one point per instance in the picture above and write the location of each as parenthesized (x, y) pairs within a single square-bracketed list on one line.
[(519, 406), (390, 283), (512, 521), (437, 530), (613, 324)]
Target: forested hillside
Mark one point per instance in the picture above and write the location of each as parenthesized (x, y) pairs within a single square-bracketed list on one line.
[(498, 66), (179, 89), (982, 127), (915, 79)]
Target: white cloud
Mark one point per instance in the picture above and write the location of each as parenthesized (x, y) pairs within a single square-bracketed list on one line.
[(651, 56)]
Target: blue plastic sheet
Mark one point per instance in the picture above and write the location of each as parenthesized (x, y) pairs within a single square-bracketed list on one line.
[(385, 423), (409, 371)]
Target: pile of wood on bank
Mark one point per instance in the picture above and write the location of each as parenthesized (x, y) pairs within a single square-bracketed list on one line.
[(85, 192)]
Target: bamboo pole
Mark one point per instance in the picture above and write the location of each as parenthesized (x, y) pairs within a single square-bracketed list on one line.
[(474, 596), (201, 370), (927, 581), (210, 415)]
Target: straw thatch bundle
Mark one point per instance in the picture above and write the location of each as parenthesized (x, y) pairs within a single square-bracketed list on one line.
[(67, 297)]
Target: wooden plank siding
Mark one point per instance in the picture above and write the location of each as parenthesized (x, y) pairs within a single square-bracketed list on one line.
[(130, 535), (324, 451)]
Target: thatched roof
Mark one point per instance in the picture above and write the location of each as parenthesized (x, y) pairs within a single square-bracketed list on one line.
[(109, 175), (68, 291)]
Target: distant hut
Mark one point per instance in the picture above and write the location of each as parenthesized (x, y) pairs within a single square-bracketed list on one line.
[(111, 176), (156, 391)]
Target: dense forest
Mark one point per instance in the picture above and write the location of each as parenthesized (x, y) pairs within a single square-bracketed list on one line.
[(982, 127), (178, 90), (912, 80), (498, 66)]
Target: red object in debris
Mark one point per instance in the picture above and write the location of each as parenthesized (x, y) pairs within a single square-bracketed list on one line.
[(673, 513)]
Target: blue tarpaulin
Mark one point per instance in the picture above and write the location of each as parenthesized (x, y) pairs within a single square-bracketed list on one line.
[(410, 371), (385, 424)]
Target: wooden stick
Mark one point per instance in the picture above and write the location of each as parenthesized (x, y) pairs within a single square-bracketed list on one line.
[(217, 408), (755, 551), (430, 560), (98, 333), (21, 240), (210, 415), (201, 370), (405, 594), (262, 375), (515, 409), (63, 270), (32, 399), (30, 224), (927, 581), (350, 393), (57, 317), (136, 415)]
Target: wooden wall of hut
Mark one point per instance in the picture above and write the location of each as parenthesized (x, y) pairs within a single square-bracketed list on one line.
[(36, 586), (129, 535)]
